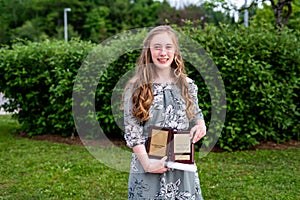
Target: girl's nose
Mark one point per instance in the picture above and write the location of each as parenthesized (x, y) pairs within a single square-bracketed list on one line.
[(163, 51)]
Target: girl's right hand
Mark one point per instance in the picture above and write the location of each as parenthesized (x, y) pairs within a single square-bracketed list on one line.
[(157, 166), (149, 165)]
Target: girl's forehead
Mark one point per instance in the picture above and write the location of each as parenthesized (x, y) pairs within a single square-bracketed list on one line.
[(162, 38)]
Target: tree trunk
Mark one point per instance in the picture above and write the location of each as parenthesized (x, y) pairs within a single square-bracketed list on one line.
[(278, 9)]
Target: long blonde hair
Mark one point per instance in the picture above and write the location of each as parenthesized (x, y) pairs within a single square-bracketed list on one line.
[(142, 95)]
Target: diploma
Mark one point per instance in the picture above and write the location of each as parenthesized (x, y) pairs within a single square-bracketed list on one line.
[(179, 166)]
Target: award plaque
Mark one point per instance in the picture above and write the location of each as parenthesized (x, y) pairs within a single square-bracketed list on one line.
[(158, 142), (183, 147), (176, 145)]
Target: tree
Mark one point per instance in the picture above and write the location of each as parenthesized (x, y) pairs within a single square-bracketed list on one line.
[(282, 9), (266, 15), (216, 16), (37, 19), (171, 15), (294, 20), (281, 15), (97, 23), (90, 20), (198, 14)]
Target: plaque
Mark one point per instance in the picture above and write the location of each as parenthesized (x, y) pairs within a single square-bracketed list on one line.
[(176, 145)]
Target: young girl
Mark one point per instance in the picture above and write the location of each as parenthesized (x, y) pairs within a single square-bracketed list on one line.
[(160, 94)]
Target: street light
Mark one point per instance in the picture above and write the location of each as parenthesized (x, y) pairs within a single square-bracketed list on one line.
[(66, 22), (246, 15)]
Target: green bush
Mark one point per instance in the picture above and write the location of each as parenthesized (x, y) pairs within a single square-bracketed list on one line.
[(38, 79), (259, 67)]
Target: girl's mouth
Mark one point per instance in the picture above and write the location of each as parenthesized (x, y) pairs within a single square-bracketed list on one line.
[(163, 60)]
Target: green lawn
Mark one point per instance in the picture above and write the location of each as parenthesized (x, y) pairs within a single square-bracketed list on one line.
[(42, 170)]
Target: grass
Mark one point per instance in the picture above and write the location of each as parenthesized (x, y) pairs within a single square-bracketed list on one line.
[(43, 170)]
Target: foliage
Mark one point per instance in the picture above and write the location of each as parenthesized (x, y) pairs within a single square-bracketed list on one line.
[(266, 15), (96, 20), (93, 20), (279, 11), (200, 15), (38, 79), (259, 68), (45, 170)]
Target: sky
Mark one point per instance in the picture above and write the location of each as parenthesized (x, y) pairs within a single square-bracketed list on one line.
[(237, 3), (179, 3)]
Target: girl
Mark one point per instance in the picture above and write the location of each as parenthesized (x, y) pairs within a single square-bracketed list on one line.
[(160, 94)]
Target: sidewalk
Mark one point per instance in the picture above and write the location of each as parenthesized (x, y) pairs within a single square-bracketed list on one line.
[(2, 101)]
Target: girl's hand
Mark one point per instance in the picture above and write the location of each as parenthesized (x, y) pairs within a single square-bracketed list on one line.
[(149, 165), (157, 166), (198, 131)]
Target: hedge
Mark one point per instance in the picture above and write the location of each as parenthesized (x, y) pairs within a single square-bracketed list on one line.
[(259, 66), (38, 79)]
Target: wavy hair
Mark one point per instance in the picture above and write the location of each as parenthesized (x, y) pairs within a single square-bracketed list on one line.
[(142, 95)]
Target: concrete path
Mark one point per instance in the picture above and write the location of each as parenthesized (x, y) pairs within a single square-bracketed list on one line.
[(2, 101)]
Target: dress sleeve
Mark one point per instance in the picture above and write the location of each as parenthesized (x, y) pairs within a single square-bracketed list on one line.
[(193, 91), (133, 128)]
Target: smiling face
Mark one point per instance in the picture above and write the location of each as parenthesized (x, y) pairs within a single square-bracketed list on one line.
[(162, 50)]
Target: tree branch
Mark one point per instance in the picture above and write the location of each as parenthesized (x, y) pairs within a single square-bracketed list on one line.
[(273, 4), (253, 3), (289, 12)]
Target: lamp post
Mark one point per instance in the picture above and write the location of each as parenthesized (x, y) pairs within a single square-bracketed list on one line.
[(66, 22), (246, 15)]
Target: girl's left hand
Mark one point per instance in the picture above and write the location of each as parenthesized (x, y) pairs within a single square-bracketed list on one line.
[(198, 131)]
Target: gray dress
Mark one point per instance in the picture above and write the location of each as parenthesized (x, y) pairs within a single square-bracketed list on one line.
[(167, 110)]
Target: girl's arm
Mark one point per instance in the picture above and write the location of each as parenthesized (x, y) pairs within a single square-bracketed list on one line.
[(198, 131), (153, 166)]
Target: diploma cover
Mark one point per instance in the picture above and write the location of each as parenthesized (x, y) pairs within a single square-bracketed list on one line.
[(176, 145)]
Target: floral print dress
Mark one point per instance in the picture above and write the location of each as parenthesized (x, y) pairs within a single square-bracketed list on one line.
[(168, 109)]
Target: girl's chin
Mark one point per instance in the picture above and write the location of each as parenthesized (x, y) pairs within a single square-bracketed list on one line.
[(162, 65)]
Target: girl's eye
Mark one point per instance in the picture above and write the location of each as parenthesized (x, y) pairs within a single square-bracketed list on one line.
[(157, 47), (160, 47)]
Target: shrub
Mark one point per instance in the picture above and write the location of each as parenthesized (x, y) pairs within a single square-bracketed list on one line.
[(38, 79), (259, 67)]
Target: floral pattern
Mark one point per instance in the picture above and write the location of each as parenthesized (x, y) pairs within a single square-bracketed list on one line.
[(136, 192), (168, 109), (171, 191)]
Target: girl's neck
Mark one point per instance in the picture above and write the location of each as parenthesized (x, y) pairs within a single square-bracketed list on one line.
[(164, 76)]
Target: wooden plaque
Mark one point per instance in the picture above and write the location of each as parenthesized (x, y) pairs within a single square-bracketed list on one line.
[(183, 147), (176, 145), (158, 142)]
